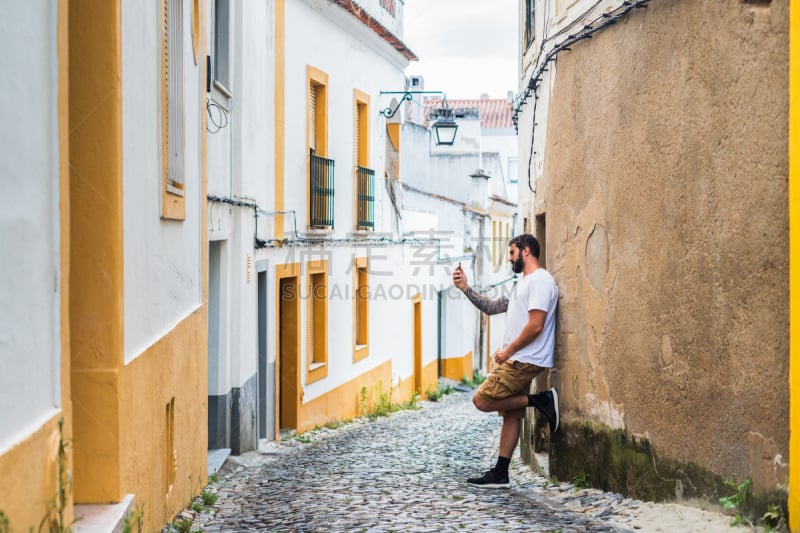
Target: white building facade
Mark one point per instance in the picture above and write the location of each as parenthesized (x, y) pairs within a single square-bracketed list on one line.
[(317, 307)]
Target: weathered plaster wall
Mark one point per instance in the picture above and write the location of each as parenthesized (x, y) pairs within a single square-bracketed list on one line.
[(665, 193)]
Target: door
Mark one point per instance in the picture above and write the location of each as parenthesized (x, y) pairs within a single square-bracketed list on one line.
[(266, 370), (289, 352)]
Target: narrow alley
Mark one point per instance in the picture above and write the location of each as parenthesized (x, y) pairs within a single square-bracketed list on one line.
[(406, 473)]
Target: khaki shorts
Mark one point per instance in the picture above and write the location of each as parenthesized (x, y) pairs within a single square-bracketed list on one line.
[(509, 379)]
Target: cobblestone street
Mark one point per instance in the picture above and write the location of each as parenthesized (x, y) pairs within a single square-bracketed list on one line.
[(405, 472)]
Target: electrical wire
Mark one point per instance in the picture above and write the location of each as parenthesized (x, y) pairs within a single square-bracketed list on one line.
[(601, 22), (264, 243), (222, 114)]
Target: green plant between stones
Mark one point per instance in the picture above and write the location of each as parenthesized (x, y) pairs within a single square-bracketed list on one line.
[(436, 394), (473, 382), (209, 498), (581, 481)]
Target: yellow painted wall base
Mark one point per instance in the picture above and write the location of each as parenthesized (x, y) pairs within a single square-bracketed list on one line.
[(30, 472), (343, 402), (164, 471), (430, 380), (457, 367)]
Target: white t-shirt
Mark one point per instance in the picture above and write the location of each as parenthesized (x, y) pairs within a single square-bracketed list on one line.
[(537, 290)]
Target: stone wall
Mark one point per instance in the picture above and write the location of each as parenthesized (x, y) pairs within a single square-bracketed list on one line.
[(664, 197)]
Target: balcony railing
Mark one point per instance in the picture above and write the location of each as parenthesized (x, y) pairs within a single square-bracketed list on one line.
[(365, 198), (321, 192)]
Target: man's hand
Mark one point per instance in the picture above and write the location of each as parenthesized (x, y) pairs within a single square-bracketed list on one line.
[(460, 278), (502, 355)]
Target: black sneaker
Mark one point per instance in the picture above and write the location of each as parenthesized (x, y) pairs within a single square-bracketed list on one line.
[(547, 403), (489, 480)]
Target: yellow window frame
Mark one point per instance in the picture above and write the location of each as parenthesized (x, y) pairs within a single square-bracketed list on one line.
[(360, 308), (316, 320)]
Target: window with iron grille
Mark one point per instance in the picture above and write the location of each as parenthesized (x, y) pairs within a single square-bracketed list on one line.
[(321, 215), (365, 176), (365, 201), (321, 169)]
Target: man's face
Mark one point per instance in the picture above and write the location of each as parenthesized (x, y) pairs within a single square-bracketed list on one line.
[(515, 258)]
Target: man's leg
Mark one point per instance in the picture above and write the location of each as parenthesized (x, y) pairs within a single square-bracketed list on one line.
[(487, 405), (546, 402), (493, 395), (509, 435)]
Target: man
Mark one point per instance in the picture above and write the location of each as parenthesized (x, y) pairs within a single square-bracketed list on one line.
[(527, 350)]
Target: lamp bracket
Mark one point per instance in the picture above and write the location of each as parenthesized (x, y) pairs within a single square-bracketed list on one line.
[(407, 95)]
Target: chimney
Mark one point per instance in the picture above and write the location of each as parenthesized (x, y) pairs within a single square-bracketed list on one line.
[(479, 191), (415, 110)]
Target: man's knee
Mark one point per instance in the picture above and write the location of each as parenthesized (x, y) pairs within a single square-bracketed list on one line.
[(481, 403)]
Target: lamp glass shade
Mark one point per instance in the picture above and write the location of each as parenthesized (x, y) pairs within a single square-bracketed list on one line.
[(444, 129)]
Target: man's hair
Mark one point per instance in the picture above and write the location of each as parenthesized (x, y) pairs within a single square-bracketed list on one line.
[(526, 240)]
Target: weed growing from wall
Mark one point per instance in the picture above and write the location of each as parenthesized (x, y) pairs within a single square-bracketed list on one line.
[(736, 501), (54, 520)]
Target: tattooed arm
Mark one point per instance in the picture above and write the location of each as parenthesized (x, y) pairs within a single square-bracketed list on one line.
[(487, 305)]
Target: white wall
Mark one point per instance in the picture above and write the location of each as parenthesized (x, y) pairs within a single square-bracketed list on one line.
[(446, 174), (326, 37), (503, 143), (394, 278), (162, 266), (30, 330)]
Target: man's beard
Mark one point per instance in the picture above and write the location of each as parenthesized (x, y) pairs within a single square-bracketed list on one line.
[(518, 265)]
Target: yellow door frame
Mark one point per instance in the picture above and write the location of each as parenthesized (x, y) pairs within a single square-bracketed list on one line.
[(291, 404)]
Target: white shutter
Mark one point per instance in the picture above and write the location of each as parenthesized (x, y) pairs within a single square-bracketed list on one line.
[(357, 135), (312, 116), (174, 82)]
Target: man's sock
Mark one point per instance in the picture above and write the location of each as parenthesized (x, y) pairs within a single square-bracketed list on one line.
[(501, 468), (533, 400)]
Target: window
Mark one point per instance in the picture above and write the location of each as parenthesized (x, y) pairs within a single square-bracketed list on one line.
[(389, 6), (321, 169), (317, 321), (222, 45), (361, 309), (513, 170), (317, 111), (361, 129), (365, 177), (196, 30), (530, 10), (173, 204)]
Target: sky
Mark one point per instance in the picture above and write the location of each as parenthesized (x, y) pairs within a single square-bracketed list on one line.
[(466, 47)]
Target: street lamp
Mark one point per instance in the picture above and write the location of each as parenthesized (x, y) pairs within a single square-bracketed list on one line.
[(445, 127)]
